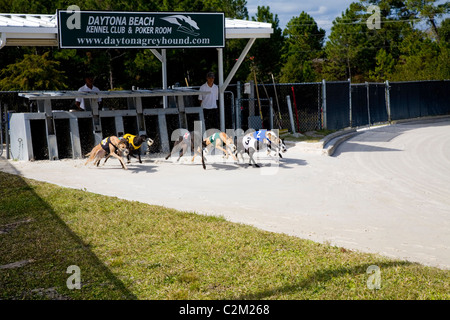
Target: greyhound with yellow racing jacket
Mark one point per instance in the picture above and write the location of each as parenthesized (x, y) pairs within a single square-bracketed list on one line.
[(134, 144)]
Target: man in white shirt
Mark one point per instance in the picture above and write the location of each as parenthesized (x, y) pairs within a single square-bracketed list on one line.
[(209, 102), (89, 86)]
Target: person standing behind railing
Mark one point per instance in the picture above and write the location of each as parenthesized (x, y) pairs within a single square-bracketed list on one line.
[(209, 101)]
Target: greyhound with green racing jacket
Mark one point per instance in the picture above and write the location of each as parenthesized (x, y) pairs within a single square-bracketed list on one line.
[(217, 140)]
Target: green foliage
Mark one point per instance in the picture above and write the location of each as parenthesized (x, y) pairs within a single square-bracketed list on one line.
[(412, 44), (303, 44), (34, 72), (422, 59), (384, 68), (266, 52), (396, 51)]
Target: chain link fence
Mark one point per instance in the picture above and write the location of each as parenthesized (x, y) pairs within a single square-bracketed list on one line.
[(313, 106)]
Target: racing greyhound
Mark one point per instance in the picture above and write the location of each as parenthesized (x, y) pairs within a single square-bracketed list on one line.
[(134, 144), (110, 146), (187, 141), (250, 143), (216, 140)]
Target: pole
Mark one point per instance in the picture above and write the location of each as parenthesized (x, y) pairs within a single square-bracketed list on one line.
[(291, 116), (388, 100), (296, 111), (238, 106), (164, 77), (1, 129), (221, 90), (324, 104), (271, 109), (7, 131), (259, 101), (368, 102), (350, 102), (276, 98)]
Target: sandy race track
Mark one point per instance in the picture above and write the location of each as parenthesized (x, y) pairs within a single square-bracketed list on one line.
[(386, 190)]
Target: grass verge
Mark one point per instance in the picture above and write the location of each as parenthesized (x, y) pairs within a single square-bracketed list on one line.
[(130, 250), (310, 136)]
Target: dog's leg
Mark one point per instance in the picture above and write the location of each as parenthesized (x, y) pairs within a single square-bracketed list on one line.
[(106, 159), (233, 154), (242, 155), (195, 153), (112, 153), (92, 156), (175, 147), (251, 152), (182, 151), (222, 149), (121, 161), (279, 153)]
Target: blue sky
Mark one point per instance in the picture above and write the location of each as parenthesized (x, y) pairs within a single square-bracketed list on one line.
[(323, 11)]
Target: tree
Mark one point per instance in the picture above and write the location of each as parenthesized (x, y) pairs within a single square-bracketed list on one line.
[(422, 59), (303, 44), (34, 72), (384, 68), (444, 31), (428, 10), (266, 52)]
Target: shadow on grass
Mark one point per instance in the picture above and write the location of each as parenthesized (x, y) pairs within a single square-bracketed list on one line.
[(33, 234), (320, 276)]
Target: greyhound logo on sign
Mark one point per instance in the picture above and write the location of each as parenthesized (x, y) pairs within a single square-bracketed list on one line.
[(185, 24)]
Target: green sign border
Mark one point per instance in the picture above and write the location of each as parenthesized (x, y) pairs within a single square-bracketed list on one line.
[(140, 30)]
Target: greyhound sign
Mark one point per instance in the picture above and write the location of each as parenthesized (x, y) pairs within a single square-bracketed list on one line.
[(112, 29)]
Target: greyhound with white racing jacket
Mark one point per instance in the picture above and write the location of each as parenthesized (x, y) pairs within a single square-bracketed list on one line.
[(250, 143)]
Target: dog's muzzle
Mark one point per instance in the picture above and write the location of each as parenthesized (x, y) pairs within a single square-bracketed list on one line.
[(232, 147), (125, 152)]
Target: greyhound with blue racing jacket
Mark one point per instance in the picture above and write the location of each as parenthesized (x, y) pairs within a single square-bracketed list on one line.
[(250, 143)]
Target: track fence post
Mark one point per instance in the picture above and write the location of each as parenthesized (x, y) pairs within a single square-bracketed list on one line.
[(388, 100), (368, 102), (324, 104), (350, 102), (291, 115)]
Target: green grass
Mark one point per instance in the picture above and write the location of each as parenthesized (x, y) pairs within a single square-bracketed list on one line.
[(312, 136), (130, 250)]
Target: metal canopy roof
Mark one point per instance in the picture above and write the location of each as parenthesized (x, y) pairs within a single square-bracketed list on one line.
[(52, 95), (42, 30)]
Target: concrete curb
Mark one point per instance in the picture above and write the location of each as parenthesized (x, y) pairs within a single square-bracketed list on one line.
[(325, 146), (331, 145)]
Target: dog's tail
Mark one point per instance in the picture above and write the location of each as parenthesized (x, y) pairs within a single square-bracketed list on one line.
[(203, 161), (203, 157)]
